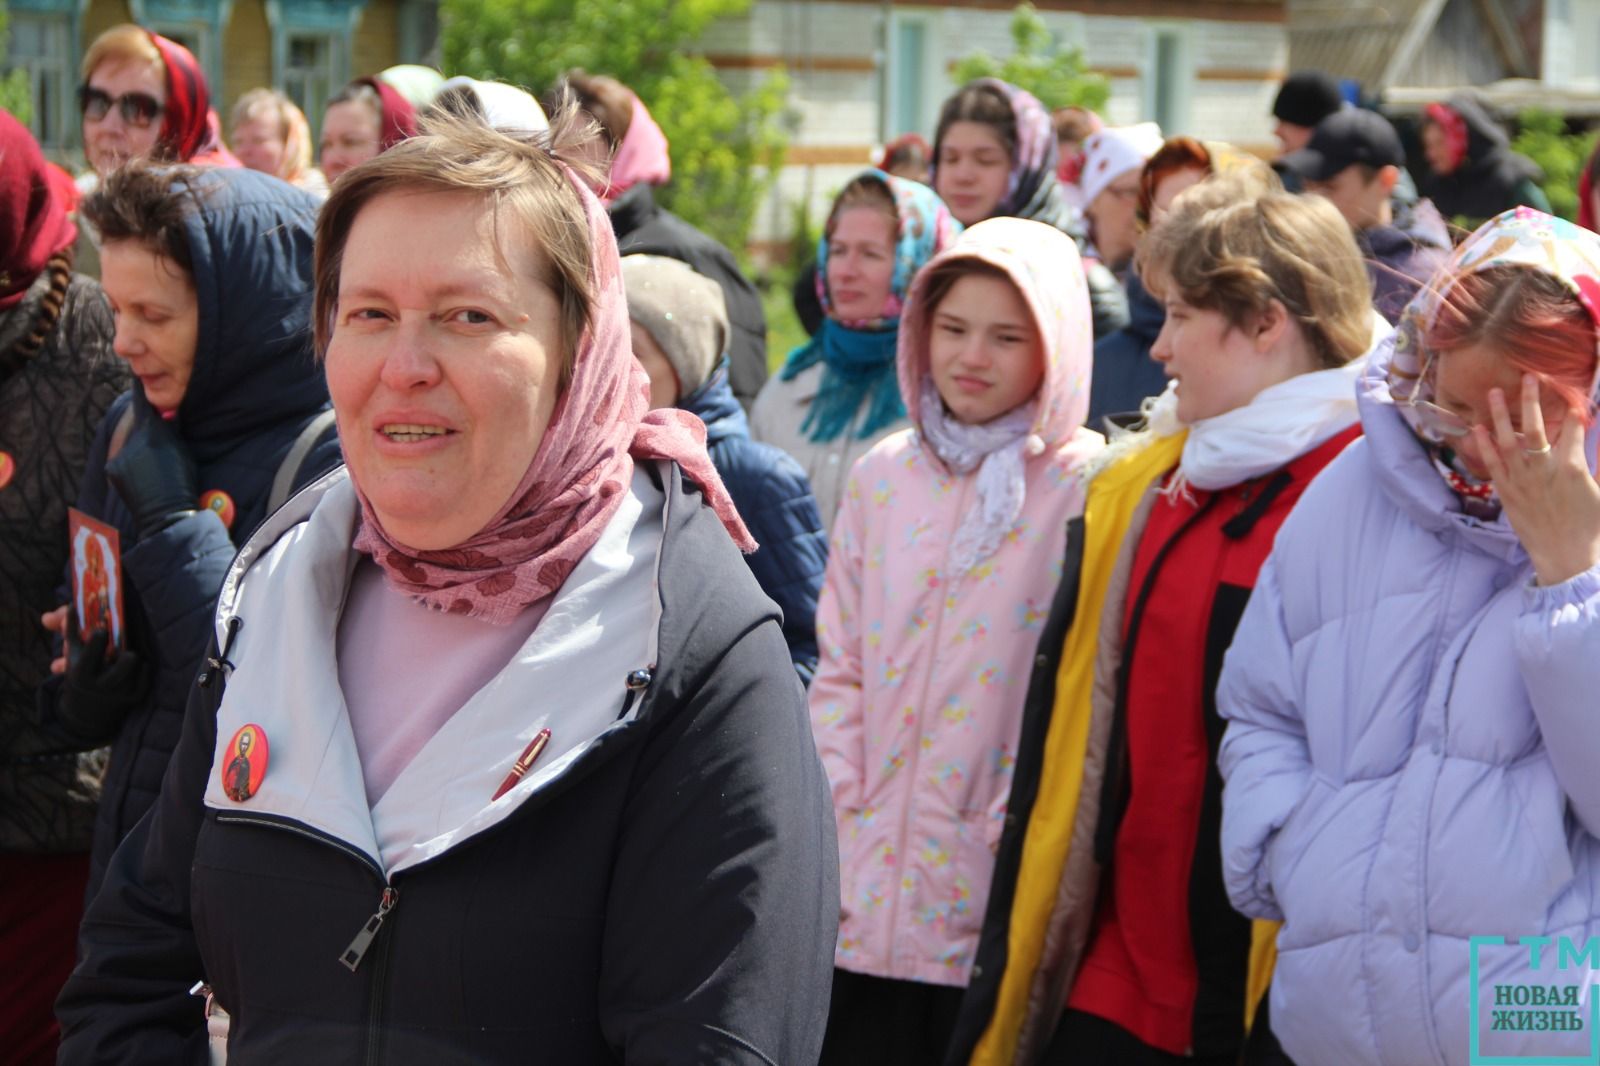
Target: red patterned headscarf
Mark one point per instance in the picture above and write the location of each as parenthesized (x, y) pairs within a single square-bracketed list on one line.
[(399, 119), (1454, 127), (187, 131), (33, 215), (579, 474)]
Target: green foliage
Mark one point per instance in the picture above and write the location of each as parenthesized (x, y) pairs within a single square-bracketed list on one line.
[(14, 93), (1543, 138), (726, 150), (1058, 76), (784, 331)]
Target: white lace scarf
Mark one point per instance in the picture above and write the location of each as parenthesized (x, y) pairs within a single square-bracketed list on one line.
[(997, 450)]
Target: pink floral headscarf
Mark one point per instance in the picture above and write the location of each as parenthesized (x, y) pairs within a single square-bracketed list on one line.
[(602, 422)]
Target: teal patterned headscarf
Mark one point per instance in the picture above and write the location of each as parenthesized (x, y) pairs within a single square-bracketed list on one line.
[(858, 357)]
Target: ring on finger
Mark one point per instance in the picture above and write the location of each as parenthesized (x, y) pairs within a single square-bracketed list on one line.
[(1537, 451)]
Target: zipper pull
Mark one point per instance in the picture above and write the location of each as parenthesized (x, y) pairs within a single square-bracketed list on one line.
[(358, 947), (220, 663), (636, 682)]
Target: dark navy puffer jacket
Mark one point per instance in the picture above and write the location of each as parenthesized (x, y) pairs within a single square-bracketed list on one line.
[(255, 386), (774, 498), (1124, 374)]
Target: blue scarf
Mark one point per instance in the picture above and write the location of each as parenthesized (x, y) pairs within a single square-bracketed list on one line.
[(859, 357), (858, 370)]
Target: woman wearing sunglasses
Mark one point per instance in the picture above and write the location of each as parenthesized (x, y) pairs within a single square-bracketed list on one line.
[(1410, 760), (144, 95)]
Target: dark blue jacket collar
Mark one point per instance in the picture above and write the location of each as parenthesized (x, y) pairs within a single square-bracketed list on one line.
[(250, 242), (715, 405)]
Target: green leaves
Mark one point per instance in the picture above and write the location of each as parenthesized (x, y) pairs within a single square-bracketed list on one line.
[(15, 96), (725, 149), (1543, 138), (1057, 75)]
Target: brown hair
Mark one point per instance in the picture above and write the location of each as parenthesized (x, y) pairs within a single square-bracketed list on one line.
[(126, 43), (906, 150), (1532, 318), (942, 277), (1226, 247), (1072, 124), (59, 269), (866, 191), (1175, 155), (359, 92), (606, 99), (148, 202), (976, 102), (525, 177)]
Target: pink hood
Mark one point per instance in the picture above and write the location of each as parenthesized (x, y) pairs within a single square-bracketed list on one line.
[(1042, 262)]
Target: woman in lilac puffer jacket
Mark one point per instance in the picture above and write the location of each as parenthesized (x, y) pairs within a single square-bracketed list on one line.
[(1413, 758)]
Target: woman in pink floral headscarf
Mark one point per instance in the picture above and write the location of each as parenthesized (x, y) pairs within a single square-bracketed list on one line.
[(534, 764)]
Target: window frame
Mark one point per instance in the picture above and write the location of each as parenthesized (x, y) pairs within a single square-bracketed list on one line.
[(65, 24), (333, 21), (1183, 75)]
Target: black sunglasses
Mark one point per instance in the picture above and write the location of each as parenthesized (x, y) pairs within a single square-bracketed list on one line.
[(138, 109)]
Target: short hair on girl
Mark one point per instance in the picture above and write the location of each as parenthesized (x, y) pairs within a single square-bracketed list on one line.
[(1224, 247), (1531, 318), (148, 202), (986, 104), (126, 43), (525, 177), (870, 192)]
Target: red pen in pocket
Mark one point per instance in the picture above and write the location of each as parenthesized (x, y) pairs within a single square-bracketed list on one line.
[(524, 763)]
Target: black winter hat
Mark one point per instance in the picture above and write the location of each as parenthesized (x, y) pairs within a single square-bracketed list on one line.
[(1307, 97)]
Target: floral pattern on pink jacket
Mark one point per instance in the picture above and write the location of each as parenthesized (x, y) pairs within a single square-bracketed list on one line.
[(917, 701)]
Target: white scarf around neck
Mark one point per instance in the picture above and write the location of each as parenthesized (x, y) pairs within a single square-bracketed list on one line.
[(1282, 423), (997, 450)]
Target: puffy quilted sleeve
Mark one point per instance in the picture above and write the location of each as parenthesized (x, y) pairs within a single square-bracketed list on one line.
[(777, 504), (836, 698), (1265, 760), (1557, 642)]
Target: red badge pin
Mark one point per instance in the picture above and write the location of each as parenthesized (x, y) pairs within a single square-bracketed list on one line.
[(221, 504), (8, 469), (246, 763)]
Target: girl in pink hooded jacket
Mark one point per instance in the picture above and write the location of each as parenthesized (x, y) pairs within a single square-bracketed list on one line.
[(944, 557)]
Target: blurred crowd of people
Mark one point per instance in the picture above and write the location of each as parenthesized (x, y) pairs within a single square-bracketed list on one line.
[(1170, 588)]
